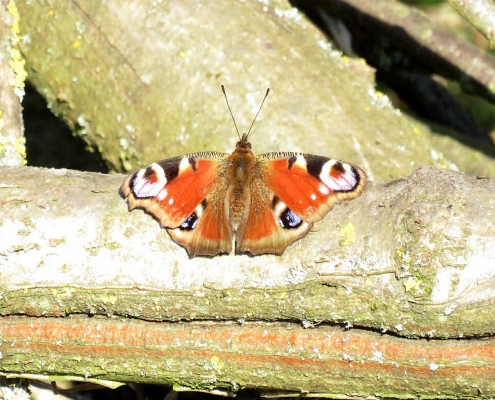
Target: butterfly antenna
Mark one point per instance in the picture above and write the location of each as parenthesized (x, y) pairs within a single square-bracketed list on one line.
[(232, 115), (256, 116)]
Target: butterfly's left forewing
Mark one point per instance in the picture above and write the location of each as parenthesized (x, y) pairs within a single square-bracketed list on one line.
[(290, 192), (183, 193)]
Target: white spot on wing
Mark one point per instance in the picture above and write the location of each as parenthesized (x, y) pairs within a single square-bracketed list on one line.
[(171, 201), (138, 182), (162, 195), (313, 196), (323, 190), (301, 162), (184, 164), (345, 182)]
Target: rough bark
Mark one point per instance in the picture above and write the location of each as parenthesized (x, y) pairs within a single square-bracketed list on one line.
[(71, 249), (12, 149), (327, 361)]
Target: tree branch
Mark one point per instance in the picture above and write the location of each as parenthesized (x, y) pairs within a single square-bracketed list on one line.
[(389, 34), (230, 356), (409, 245)]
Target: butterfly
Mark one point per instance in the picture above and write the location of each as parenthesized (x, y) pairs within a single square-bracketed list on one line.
[(211, 202)]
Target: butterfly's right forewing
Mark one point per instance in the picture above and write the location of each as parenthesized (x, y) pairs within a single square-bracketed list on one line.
[(291, 191)]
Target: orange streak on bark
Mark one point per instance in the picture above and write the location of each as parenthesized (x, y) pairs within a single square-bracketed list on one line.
[(251, 346)]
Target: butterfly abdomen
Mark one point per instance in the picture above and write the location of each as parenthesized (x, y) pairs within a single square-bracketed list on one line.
[(238, 199)]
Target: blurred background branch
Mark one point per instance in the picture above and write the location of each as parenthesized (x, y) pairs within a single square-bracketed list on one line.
[(480, 13)]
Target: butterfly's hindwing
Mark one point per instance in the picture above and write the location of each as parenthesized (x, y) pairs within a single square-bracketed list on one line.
[(270, 225), (207, 230)]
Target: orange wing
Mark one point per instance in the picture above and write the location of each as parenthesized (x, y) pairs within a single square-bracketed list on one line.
[(186, 194), (291, 191)]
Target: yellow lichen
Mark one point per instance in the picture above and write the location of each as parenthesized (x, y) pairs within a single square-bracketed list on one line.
[(9, 144), (12, 9), (347, 234), (411, 283), (17, 63), (216, 364), (63, 293), (20, 146), (109, 299)]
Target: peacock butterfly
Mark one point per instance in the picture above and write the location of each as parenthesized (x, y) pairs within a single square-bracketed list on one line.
[(210, 202)]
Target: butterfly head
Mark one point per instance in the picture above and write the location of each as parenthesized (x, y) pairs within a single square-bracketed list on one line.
[(243, 143)]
